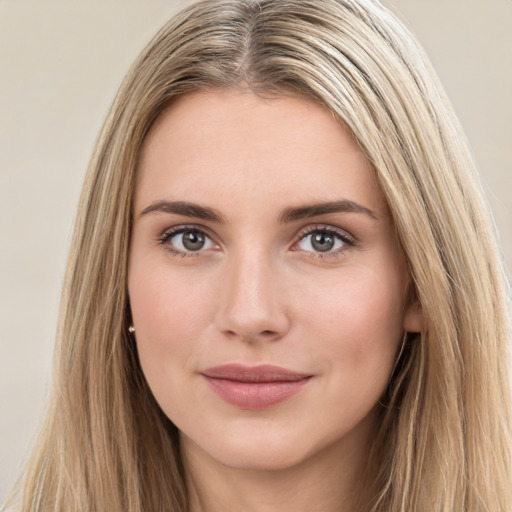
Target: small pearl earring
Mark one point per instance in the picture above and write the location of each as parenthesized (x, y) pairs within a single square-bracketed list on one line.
[(131, 329)]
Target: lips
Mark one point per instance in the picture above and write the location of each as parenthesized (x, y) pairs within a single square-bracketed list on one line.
[(255, 387)]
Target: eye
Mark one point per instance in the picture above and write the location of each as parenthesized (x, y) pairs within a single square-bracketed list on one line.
[(185, 240), (323, 240)]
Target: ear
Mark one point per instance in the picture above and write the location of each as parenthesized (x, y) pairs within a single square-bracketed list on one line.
[(413, 317), (413, 320)]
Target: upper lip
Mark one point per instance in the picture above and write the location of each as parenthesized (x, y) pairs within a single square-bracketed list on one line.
[(259, 373)]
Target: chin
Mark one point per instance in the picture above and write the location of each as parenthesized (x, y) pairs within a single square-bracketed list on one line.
[(258, 451), (262, 457), (262, 449)]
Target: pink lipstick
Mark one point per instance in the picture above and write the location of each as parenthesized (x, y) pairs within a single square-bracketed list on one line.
[(254, 387)]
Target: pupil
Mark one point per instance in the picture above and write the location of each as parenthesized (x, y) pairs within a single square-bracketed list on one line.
[(322, 242), (193, 241)]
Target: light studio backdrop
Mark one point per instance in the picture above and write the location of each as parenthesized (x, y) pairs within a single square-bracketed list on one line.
[(61, 63)]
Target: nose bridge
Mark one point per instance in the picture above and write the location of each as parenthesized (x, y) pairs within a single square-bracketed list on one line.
[(252, 303)]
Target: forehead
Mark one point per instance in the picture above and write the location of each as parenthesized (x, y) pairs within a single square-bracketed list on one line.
[(227, 145)]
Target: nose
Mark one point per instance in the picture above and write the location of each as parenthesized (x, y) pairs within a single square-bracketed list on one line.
[(252, 303)]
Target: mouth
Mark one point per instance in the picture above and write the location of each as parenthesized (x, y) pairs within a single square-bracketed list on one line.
[(256, 387)]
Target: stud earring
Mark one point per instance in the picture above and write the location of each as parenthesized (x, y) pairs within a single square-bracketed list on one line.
[(131, 329)]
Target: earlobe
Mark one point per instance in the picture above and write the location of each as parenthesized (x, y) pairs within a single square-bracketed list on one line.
[(413, 317)]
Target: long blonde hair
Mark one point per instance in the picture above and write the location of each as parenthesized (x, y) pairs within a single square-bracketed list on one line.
[(444, 439)]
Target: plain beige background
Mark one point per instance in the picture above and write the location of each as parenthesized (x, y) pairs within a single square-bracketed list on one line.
[(60, 65)]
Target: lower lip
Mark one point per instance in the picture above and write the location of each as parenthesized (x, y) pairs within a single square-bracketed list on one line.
[(255, 395)]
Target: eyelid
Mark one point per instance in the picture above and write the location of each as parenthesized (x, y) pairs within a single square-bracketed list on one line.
[(342, 233), (179, 228)]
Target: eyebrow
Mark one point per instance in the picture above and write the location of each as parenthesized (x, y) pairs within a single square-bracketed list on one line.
[(313, 210), (184, 208), (288, 215)]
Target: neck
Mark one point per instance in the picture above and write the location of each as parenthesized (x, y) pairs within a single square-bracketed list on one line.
[(329, 481)]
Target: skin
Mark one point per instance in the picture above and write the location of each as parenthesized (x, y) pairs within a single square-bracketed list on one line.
[(260, 291)]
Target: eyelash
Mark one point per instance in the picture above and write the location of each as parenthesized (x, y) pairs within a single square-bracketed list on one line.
[(170, 233), (345, 238)]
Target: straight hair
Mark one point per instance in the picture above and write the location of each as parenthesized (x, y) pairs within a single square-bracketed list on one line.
[(444, 436)]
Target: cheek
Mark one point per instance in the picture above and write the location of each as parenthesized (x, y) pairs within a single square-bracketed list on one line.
[(169, 312), (356, 325)]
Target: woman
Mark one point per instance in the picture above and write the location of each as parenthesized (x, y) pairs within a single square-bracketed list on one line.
[(283, 291)]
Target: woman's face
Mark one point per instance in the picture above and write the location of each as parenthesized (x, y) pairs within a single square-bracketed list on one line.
[(267, 288)]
